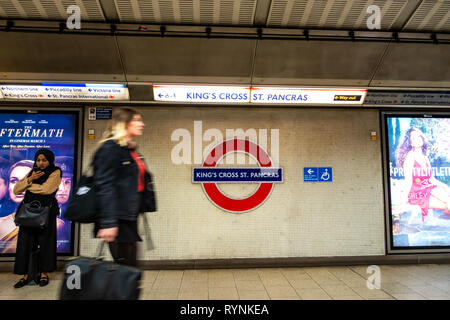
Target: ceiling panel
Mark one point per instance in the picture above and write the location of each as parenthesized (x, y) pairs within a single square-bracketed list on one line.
[(199, 12), (409, 15), (332, 14), (50, 9), (414, 65), (431, 15), (184, 60), (286, 62), (59, 57)]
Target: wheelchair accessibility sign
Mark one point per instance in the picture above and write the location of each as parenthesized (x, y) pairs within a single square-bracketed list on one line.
[(317, 174)]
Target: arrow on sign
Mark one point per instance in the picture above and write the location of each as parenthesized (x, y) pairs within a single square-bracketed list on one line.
[(160, 95), (310, 171)]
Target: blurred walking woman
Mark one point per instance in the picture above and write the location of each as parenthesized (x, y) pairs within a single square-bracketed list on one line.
[(119, 174), (40, 184)]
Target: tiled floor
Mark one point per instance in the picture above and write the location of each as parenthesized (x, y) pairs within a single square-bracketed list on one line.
[(398, 282)]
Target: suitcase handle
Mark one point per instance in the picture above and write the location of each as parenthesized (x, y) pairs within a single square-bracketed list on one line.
[(100, 249)]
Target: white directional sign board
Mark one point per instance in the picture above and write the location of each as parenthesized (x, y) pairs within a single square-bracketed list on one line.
[(266, 95), (307, 95), (60, 91), (221, 94)]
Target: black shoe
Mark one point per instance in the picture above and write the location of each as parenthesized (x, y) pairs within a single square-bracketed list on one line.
[(44, 281), (22, 282)]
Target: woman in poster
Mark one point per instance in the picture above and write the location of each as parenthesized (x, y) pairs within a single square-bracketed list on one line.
[(6, 205), (62, 196), (40, 184), (8, 229), (65, 188), (424, 189)]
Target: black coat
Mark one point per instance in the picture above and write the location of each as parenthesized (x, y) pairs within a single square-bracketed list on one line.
[(116, 177)]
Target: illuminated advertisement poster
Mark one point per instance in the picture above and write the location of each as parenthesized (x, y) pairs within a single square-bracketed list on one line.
[(21, 135), (419, 181)]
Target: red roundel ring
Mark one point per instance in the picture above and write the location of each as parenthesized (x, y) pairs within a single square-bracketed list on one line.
[(237, 205)]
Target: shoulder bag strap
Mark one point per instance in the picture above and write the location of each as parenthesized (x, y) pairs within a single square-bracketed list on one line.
[(148, 237)]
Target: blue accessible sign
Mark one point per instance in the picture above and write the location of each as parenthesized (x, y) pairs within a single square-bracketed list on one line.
[(317, 174)]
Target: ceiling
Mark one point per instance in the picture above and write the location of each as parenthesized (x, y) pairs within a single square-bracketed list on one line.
[(398, 15), (318, 58)]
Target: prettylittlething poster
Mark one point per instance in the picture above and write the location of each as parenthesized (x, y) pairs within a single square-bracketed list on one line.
[(419, 163)]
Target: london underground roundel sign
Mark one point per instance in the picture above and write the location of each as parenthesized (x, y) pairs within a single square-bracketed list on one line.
[(209, 175)]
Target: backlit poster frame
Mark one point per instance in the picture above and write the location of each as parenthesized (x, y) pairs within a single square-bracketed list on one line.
[(389, 223), (77, 112)]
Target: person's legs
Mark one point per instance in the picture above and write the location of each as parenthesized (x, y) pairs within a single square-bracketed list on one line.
[(26, 244), (131, 254), (436, 203), (124, 253), (443, 197), (47, 248)]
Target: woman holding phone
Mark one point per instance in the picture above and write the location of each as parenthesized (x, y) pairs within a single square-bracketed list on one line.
[(40, 184)]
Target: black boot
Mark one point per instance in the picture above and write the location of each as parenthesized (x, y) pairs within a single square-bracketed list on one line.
[(44, 281), (22, 282)]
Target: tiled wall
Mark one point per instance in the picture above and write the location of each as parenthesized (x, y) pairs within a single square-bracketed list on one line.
[(341, 218)]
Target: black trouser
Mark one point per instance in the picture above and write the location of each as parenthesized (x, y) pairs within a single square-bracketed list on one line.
[(124, 253), (29, 240)]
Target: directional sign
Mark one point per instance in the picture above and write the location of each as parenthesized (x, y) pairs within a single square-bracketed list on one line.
[(66, 91), (317, 174), (310, 174), (103, 113), (307, 95), (184, 93), (410, 97)]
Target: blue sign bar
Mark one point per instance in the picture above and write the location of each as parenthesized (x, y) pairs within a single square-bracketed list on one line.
[(83, 85), (237, 175), (60, 84), (317, 174)]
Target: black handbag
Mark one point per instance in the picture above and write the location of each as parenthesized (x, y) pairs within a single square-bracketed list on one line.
[(82, 205), (32, 215), (148, 197), (94, 279)]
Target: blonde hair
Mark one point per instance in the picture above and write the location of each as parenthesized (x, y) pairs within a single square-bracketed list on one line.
[(117, 128)]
